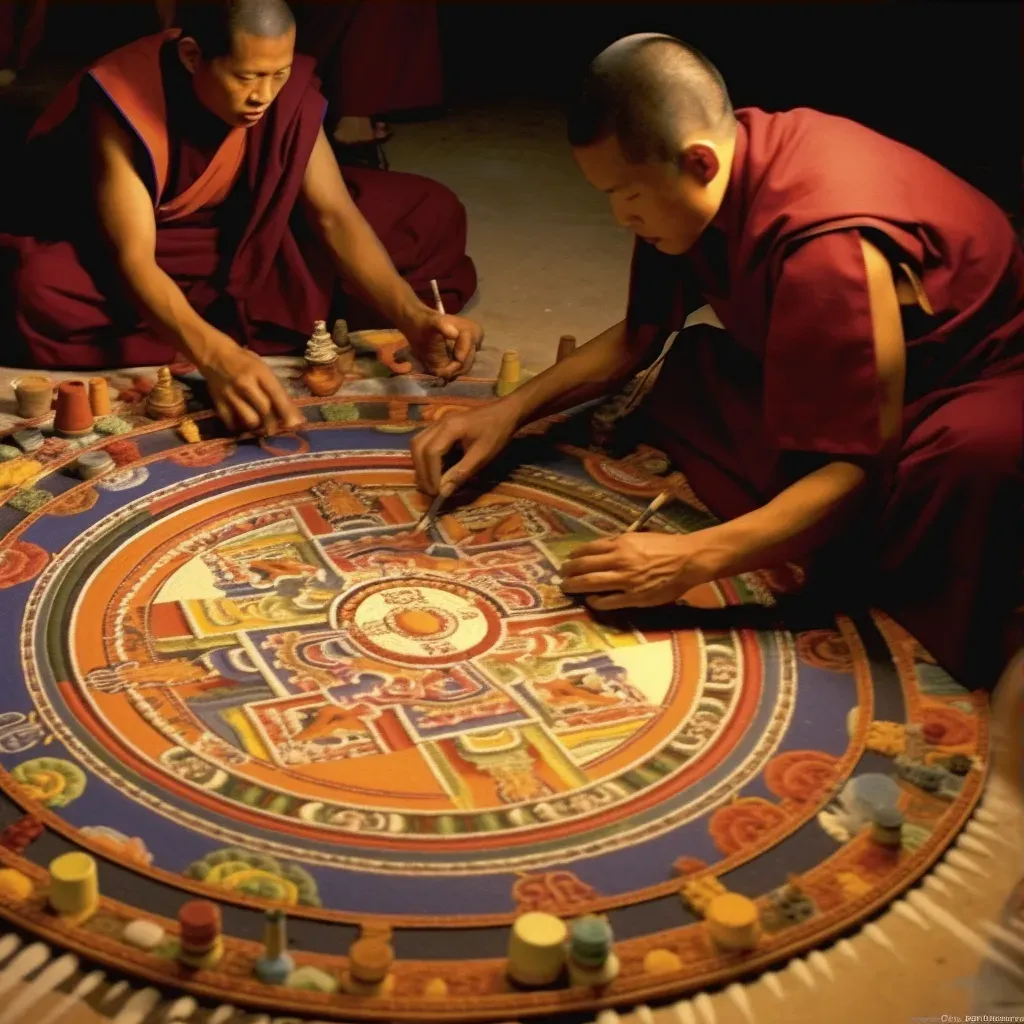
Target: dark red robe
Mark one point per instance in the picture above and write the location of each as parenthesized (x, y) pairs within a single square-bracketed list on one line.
[(374, 57), (792, 383), (228, 231)]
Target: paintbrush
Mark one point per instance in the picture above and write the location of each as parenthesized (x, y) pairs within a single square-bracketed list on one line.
[(430, 515), (662, 499), (439, 382)]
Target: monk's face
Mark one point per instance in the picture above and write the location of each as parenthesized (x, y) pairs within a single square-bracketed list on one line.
[(240, 86), (664, 204)]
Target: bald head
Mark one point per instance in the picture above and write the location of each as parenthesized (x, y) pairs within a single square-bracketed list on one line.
[(214, 24), (651, 92)]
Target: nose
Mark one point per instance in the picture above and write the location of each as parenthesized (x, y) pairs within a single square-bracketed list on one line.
[(262, 93), (622, 217)]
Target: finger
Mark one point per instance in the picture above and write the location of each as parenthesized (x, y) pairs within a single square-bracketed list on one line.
[(433, 451), (226, 415), (288, 413), (577, 566), (594, 583), (473, 460), (252, 391), (603, 546), (418, 447), (244, 413), (436, 357), (464, 351)]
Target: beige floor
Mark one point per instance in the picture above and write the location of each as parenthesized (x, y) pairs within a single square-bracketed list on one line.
[(551, 259)]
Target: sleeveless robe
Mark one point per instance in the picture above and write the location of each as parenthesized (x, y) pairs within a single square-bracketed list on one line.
[(792, 383), (228, 232)]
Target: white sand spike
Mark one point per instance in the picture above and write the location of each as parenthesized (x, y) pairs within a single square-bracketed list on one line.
[(803, 972), (774, 984), (933, 882), (956, 927), (181, 1009), (222, 1015), (1012, 939), (683, 1012), (974, 845), (138, 1007), (115, 993), (904, 909), (847, 948), (976, 828), (30, 959), (876, 935), (705, 1008), (78, 995), (9, 944), (986, 817), (964, 863), (738, 994), (951, 875), (51, 977), (819, 962)]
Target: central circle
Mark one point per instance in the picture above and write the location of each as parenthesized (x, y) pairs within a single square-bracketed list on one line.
[(419, 622)]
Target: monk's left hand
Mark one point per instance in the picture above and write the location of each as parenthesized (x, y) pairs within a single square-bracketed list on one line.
[(638, 570), (445, 344)]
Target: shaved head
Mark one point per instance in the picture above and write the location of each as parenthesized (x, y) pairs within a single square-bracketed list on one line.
[(651, 92), (214, 24)]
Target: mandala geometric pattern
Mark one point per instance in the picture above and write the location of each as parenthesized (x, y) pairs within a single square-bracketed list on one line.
[(248, 676)]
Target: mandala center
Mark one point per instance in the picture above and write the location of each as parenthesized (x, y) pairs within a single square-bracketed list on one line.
[(419, 622)]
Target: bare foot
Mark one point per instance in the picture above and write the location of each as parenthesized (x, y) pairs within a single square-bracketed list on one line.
[(352, 130)]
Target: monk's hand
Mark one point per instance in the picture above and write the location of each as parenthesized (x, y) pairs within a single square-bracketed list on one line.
[(637, 570), (445, 345), (246, 392), (480, 433)]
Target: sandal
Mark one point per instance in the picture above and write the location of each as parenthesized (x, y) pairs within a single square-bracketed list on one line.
[(369, 155)]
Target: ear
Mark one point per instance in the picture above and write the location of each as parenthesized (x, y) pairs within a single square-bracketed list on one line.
[(189, 54), (700, 160)]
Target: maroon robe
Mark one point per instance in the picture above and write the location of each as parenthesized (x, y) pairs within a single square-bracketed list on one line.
[(228, 232), (792, 382), (374, 56)]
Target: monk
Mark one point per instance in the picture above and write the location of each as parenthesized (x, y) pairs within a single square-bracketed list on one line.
[(215, 222), (862, 413)]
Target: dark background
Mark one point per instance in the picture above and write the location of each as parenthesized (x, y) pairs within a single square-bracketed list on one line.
[(943, 77)]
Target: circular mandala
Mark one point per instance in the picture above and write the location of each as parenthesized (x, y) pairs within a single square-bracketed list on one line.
[(263, 637)]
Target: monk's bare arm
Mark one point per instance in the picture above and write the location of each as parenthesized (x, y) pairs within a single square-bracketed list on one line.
[(127, 220), (816, 508), (245, 392), (361, 259)]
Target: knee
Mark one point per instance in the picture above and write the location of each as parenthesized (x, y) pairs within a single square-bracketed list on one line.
[(983, 452)]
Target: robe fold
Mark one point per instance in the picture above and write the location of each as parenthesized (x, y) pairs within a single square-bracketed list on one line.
[(228, 229), (792, 383)]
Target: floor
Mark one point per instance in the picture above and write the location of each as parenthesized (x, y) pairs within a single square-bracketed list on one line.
[(550, 257)]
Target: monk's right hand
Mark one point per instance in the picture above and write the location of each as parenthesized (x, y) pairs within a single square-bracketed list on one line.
[(246, 392), (481, 433)]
